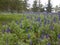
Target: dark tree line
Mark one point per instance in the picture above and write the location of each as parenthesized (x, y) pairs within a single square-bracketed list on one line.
[(40, 8), (13, 5), (21, 6)]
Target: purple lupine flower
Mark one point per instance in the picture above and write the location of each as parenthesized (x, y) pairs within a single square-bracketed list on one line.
[(26, 30), (30, 27), (42, 36), (47, 35), (59, 36), (31, 43), (38, 19), (20, 25), (45, 21), (40, 24), (16, 22), (28, 36), (59, 13), (48, 44), (28, 17), (45, 13), (51, 27), (54, 19), (59, 17), (48, 21), (8, 30)]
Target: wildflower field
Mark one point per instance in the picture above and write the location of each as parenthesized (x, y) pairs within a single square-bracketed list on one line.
[(29, 29)]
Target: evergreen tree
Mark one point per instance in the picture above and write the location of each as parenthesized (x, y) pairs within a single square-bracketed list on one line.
[(25, 4), (11, 5), (49, 6), (41, 9), (35, 9), (39, 5)]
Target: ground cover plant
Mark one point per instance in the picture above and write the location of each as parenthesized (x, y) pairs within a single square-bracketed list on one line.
[(29, 29)]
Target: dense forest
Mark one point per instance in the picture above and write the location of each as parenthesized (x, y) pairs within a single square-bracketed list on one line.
[(23, 5)]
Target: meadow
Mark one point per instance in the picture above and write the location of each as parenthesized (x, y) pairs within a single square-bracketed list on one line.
[(19, 29)]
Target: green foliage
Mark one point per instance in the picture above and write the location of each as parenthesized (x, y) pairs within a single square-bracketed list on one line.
[(29, 29)]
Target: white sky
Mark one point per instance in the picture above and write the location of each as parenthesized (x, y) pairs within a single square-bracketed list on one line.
[(54, 2)]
